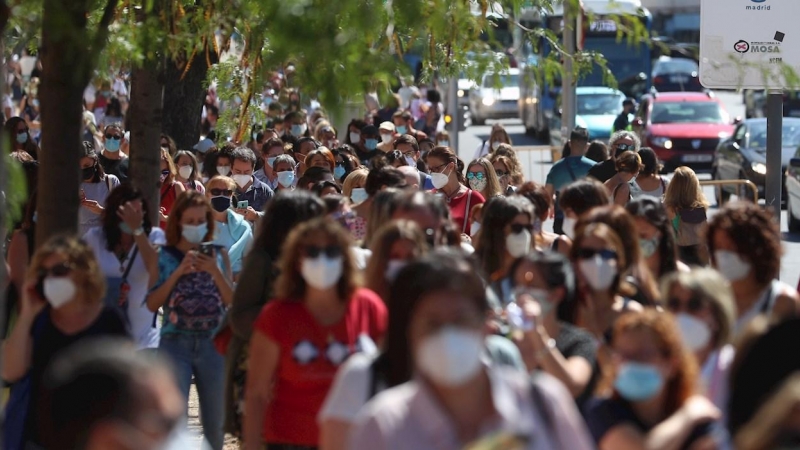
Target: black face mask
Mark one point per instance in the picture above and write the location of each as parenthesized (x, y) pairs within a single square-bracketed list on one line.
[(87, 173), (220, 203)]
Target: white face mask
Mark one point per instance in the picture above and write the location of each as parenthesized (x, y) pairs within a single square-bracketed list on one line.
[(393, 267), (695, 334), (496, 145), (358, 195), (242, 180), (224, 170), (355, 138), (386, 138), (410, 161), (322, 272), (59, 290), (451, 357), (598, 272), (518, 244), (474, 228), (185, 172), (439, 180), (568, 227), (731, 265)]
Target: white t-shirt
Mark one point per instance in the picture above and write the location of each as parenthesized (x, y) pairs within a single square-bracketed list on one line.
[(350, 389), (141, 319)]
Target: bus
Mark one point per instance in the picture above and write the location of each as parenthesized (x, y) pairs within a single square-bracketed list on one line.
[(630, 64)]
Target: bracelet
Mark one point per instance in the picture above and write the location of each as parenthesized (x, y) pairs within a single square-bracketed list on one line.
[(549, 346)]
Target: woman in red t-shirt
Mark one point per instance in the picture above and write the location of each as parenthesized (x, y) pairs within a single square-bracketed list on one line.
[(320, 317), (448, 179), (169, 187)]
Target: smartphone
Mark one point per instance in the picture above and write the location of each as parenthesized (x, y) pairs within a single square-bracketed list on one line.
[(242, 204), (207, 249)]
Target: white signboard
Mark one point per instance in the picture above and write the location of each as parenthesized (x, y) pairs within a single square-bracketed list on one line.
[(748, 43)]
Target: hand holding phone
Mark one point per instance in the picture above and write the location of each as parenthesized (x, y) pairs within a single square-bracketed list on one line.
[(243, 204), (207, 249)]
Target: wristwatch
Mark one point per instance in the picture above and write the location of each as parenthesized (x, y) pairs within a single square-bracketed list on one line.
[(138, 232)]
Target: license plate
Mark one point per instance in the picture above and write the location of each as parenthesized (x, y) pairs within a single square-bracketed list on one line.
[(697, 158), (678, 79)]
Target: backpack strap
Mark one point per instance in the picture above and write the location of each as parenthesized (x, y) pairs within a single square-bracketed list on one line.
[(108, 183)]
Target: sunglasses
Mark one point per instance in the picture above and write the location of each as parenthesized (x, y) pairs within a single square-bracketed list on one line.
[(59, 270), (217, 192), (113, 136), (693, 305), (625, 147), (478, 175), (589, 253), (517, 228), (331, 251), (500, 173)]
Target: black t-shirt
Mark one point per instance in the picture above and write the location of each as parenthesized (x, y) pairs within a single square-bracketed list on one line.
[(621, 122), (116, 167), (604, 414), (573, 341), (603, 171), (49, 342)]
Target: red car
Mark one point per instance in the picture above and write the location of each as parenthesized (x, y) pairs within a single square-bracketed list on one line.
[(683, 128)]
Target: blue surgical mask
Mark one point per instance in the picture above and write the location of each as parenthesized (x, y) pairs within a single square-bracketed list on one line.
[(444, 143), (358, 195), (371, 144), (194, 233), (298, 130), (637, 382), (112, 145), (22, 137), (401, 129), (271, 161), (286, 178), (338, 172)]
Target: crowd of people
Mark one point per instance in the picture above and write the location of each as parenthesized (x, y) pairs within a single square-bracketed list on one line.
[(379, 292)]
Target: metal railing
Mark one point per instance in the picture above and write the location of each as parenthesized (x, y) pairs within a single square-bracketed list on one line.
[(719, 183)]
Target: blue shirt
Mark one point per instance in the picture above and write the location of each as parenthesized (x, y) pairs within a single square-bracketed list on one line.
[(257, 195), (568, 170)]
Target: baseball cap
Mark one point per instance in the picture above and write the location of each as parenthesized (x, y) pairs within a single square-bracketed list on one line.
[(204, 145), (387, 126)]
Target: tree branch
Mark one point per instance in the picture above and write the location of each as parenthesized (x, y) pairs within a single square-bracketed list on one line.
[(100, 38)]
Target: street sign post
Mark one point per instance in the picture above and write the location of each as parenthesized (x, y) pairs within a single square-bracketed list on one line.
[(569, 99), (750, 44)]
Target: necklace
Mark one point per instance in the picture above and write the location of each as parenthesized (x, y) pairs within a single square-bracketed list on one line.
[(455, 194)]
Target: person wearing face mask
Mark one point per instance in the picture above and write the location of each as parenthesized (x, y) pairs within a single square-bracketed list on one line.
[(542, 204), (745, 247), (248, 188), (652, 379), (448, 180), (443, 139), (455, 398), (61, 305), (502, 168), (96, 185), (387, 134), (232, 231), (343, 165), (497, 136), (408, 146), (295, 124), (21, 140), (188, 171), (376, 181), (575, 200), (354, 138), (170, 188), (284, 169), (619, 186), (193, 290), (272, 148), (544, 290), (130, 400), (369, 137), (506, 233), (649, 182), (321, 157), (568, 170), (621, 141), (482, 178), (292, 368), (393, 246), (656, 239), (404, 124), (125, 248), (702, 302), (113, 161)]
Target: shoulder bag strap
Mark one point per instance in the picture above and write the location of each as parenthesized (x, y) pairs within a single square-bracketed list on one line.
[(466, 212), (569, 169), (130, 263)]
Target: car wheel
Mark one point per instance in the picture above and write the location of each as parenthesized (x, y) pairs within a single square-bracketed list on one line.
[(793, 222)]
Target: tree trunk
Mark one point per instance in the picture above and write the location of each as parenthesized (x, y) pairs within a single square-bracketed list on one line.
[(147, 95), (183, 99)]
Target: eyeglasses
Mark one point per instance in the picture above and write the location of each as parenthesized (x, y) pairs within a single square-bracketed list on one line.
[(693, 305), (478, 175), (500, 173), (625, 147), (589, 253), (113, 136), (517, 228), (217, 192), (331, 251), (59, 270), (440, 168)]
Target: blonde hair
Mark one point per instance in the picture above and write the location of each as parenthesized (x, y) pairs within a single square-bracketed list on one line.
[(684, 191), (499, 131), (356, 177), (222, 179), (629, 162), (381, 247), (511, 161), (492, 188), (80, 258)]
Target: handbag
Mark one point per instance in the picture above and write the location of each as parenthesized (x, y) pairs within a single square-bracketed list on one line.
[(117, 289)]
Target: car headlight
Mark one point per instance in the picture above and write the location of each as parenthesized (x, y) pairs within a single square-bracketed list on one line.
[(758, 167), (460, 92), (488, 101), (661, 141)]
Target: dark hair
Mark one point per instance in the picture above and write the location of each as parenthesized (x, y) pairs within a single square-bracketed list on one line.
[(394, 157), (322, 185), (125, 192), (407, 139), (347, 163), (384, 177), (114, 107), (360, 124), (583, 195), (652, 210), (538, 195), (272, 142), (210, 160), (597, 151), (418, 200), (448, 156), (89, 152), (244, 154), (556, 270), (649, 161), (333, 202), (755, 234), (303, 140), (498, 212), (285, 211), (442, 270), (171, 145), (313, 175), (402, 114), (579, 134)]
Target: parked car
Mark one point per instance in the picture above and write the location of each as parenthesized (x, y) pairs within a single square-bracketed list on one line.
[(743, 156), (683, 128), (496, 97), (598, 107), (755, 103), (676, 75)]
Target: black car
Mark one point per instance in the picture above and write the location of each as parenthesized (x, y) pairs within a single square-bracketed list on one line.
[(676, 75), (755, 103), (743, 156)]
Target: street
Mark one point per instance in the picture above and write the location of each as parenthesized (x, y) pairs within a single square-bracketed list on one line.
[(536, 162)]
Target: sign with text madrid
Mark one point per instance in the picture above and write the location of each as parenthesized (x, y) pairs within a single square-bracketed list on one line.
[(748, 43)]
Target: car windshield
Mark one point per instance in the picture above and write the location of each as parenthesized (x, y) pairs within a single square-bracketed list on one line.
[(688, 112), (676, 65), (504, 80), (599, 104), (758, 136)]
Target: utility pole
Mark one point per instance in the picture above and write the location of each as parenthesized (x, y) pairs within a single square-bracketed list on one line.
[(455, 113), (569, 104), (773, 186)]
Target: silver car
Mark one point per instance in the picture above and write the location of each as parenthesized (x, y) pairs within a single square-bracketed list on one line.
[(496, 97)]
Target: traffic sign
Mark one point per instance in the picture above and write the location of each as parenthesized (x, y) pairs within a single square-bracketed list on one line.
[(748, 43)]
